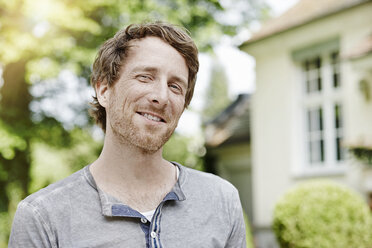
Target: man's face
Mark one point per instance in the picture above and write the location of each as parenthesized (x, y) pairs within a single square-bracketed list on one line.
[(144, 105)]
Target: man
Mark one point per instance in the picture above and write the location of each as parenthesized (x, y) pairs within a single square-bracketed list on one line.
[(130, 196)]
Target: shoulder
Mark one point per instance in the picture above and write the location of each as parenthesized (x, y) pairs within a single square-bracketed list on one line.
[(38, 212), (206, 178), (57, 191), (209, 193), (205, 183)]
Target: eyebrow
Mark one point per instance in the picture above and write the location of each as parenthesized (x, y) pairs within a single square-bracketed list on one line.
[(145, 68), (154, 69)]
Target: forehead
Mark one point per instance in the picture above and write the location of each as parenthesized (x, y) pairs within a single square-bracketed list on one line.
[(153, 51), (148, 41), (154, 46)]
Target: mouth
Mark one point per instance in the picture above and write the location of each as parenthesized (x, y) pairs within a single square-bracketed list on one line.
[(152, 117)]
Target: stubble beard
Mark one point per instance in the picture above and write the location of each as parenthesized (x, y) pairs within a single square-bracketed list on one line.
[(148, 141)]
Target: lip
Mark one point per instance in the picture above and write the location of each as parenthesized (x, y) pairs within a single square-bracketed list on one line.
[(162, 120)]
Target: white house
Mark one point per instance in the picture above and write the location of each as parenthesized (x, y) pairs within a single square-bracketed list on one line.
[(313, 100)]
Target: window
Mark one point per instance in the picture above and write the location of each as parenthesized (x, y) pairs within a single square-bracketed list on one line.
[(340, 151), (313, 75), (315, 135), (322, 108), (335, 69)]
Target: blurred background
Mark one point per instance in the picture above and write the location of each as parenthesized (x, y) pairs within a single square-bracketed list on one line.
[(283, 94)]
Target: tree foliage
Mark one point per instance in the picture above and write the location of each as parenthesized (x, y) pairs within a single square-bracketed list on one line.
[(184, 150), (217, 94)]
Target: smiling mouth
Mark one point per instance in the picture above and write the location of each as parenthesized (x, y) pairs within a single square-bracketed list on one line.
[(151, 117)]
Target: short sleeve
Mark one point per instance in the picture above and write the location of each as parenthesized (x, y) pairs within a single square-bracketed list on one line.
[(29, 229), (237, 237)]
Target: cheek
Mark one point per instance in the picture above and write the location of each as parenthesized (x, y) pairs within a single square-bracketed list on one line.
[(136, 92), (128, 96), (178, 107)]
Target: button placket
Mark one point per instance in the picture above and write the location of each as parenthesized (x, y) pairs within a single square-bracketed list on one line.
[(153, 234)]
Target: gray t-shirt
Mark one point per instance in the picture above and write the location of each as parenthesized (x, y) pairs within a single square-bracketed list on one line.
[(202, 210)]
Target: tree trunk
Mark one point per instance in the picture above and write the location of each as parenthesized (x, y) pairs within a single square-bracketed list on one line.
[(15, 114)]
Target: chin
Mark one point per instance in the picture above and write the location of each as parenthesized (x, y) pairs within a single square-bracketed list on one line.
[(151, 144), (148, 142)]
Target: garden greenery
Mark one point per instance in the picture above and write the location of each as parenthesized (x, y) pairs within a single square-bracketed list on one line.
[(322, 214), (363, 154)]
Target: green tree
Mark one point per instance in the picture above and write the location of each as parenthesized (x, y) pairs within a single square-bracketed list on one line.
[(217, 97), (184, 150)]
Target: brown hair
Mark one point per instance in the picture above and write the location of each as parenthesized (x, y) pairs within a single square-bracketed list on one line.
[(113, 52)]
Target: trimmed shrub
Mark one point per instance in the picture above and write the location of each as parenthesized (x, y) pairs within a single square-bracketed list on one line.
[(322, 214)]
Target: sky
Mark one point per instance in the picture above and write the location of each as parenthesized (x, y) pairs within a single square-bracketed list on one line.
[(239, 68), (280, 7)]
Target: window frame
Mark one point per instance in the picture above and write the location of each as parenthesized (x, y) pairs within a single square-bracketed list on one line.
[(327, 98)]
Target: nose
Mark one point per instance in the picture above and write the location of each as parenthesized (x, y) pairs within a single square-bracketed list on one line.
[(160, 95)]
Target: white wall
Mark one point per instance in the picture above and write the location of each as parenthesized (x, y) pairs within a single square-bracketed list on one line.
[(359, 108)]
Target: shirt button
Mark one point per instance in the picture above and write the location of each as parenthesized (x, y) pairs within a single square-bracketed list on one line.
[(153, 235), (143, 220)]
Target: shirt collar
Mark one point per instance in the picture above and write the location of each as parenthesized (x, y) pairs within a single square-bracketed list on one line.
[(111, 206)]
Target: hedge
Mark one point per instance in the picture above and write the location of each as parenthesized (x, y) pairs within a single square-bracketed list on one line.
[(322, 214)]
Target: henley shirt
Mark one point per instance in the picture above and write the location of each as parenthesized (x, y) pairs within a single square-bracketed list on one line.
[(202, 210)]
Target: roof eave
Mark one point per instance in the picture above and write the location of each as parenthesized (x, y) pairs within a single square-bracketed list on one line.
[(259, 38)]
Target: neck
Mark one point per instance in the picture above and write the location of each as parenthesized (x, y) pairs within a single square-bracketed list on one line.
[(122, 165)]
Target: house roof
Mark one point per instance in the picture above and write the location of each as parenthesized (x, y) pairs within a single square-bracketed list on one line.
[(231, 125), (303, 12)]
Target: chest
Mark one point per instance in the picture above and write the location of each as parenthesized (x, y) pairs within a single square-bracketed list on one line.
[(142, 199), (172, 229)]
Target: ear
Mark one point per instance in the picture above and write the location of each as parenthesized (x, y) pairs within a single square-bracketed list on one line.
[(102, 93)]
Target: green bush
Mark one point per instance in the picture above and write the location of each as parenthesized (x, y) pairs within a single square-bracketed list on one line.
[(322, 214), (248, 234)]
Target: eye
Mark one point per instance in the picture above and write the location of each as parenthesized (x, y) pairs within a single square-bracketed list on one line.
[(144, 78), (175, 87)]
